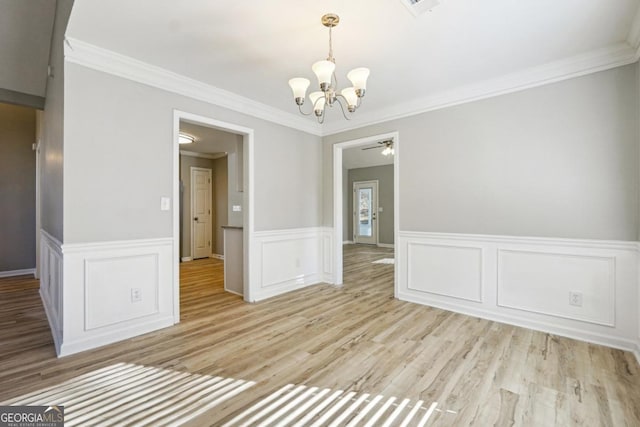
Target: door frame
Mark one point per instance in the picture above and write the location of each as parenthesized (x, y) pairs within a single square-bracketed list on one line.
[(191, 208), (337, 201), (247, 199), (374, 225)]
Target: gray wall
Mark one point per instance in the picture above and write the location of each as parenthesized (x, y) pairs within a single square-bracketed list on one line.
[(51, 151), (120, 122), (384, 176), (17, 188), (221, 206), (559, 160)]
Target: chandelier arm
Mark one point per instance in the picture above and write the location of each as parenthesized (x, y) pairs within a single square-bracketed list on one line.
[(342, 107), (303, 113)]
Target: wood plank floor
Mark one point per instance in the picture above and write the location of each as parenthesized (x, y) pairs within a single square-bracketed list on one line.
[(314, 343)]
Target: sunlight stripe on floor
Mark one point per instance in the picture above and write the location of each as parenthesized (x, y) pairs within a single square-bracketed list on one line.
[(302, 406), (135, 395)]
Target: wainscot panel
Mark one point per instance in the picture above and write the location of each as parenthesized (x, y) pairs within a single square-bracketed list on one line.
[(584, 289), (115, 290), (285, 260)]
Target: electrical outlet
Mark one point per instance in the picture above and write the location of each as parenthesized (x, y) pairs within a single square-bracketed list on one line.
[(136, 295), (575, 298)]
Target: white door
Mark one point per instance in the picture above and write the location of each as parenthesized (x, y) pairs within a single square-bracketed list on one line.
[(365, 212), (200, 213)]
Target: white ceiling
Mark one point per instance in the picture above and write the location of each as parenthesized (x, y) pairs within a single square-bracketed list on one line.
[(209, 140), (252, 47), (25, 40)]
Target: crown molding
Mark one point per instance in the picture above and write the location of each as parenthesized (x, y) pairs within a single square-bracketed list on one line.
[(202, 155), (576, 66), (106, 61), (91, 56)]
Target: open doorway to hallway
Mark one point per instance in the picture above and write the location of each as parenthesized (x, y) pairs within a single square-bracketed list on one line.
[(210, 192), (19, 186), (366, 202)]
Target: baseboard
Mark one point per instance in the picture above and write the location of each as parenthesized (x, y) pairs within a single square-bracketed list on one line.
[(13, 273), (216, 256), (637, 352), (386, 245), (348, 242), (186, 259), (99, 340), (592, 337), (287, 286)]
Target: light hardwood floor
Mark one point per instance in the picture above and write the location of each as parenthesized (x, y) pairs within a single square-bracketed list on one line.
[(455, 370)]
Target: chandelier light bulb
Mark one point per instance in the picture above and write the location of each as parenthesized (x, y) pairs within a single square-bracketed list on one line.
[(324, 71), (299, 87), (318, 102), (358, 78), (351, 98)]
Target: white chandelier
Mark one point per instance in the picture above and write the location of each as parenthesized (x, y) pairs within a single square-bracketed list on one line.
[(328, 93)]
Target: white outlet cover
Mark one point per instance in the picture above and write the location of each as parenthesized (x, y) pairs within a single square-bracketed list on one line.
[(237, 208), (165, 203)]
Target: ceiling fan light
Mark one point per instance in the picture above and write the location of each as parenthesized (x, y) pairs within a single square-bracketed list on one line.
[(299, 87), (358, 77), (324, 71), (183, 138)]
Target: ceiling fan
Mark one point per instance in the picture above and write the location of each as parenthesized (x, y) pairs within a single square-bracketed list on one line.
[(386, 145)]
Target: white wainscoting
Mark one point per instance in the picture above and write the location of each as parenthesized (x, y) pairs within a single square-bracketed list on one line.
[(99, 282), (51, 281), (327, 255), (286, 260), (527, 282)]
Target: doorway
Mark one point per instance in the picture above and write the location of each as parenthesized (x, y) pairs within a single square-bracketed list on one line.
[(240, 203), (365, 212), (340, 205)]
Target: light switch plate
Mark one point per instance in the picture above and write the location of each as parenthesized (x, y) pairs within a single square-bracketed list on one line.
[(165, 203), (237, 208)]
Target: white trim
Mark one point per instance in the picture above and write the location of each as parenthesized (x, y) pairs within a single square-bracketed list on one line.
[(337, 198), (386, 245), (510, 319), (216, 256), (348, 242), (23, 272), (88, 321), (186, 259), (614, 278), (106, 61), (288, 260), (202, 155), (545, 241), (248, 199), (576, 66), (103, 60), (51, 285)]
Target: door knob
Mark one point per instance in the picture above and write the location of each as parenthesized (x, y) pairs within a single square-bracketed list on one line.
[(195, 219)]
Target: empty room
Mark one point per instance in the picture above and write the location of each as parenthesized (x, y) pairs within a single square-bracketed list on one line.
[(303, 213)]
